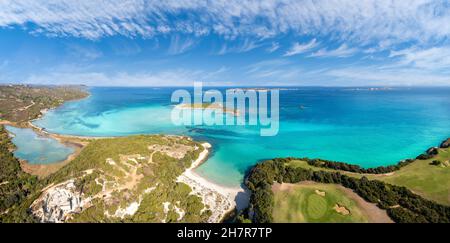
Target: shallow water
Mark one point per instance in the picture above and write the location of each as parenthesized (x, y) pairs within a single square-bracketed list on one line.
[(37, 149), (368, 128)]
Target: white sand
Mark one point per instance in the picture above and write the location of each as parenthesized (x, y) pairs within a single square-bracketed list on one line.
[(219, 199)]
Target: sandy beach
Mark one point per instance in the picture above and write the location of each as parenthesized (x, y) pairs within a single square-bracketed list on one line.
[(219, 199)]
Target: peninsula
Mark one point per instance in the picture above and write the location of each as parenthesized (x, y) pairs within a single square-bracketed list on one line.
[(145, 178)]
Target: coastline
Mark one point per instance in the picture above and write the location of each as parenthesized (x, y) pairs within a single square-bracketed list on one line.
[(44, 170), (219, 199)]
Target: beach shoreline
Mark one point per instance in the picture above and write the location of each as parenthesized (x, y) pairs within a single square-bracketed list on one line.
[(220, 199), (44, 170)]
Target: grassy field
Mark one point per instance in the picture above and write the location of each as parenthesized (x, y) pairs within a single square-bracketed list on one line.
[(313, 202), (430, 181)]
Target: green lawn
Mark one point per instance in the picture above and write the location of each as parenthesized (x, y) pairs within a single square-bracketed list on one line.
[(430, 181), (301, 203)]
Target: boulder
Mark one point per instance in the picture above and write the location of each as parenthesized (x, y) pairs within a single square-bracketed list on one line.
[(446, 143), (432, 151), (424, 156)]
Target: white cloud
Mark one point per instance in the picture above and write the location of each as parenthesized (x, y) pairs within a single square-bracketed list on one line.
[(352, 21), (341, 51), (179, 46), (298, 48), (172, 78), (378, 76), (243, 46), (434, 58), (267, 64), (125, 48), (82, 75), (365, 26), (274, 46), (85, 52)]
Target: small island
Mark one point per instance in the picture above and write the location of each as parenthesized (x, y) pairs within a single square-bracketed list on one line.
[(209, 106)]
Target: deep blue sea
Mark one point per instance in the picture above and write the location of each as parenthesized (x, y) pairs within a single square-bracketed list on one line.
[(359, 126)]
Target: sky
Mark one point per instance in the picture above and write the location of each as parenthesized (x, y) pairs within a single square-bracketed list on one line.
[(226, 43)]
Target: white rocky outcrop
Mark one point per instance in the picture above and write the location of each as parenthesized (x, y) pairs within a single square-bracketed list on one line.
[(219, 199), (58, 202)]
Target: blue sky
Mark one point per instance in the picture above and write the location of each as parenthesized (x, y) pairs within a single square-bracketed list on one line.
[(248, 43)]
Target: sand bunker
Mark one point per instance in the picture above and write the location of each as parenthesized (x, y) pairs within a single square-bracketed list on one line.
[(341, 209), (320, 193)]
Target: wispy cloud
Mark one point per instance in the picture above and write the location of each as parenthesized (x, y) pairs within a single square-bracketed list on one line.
[(179, 45), (353, 21), (341, 51), (273, 71), (91, 76), (262, 65), (299, 48), (241, 47), (83, 52), (273, 47), (394, 77), (418, 31), (177, 77), (434, 58)]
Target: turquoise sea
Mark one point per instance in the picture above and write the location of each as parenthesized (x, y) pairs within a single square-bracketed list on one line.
[(360, 126)]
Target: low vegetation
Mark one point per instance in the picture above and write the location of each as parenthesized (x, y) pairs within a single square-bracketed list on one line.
[(428, 178), (21, 103), (15, 185), (127, 179)]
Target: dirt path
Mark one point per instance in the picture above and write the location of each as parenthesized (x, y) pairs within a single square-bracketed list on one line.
[(26, 107)]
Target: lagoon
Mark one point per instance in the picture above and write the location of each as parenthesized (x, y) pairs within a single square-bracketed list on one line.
[(36, 149), (368, 127)]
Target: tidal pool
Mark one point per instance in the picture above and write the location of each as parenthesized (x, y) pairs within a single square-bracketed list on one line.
[(37, 149)]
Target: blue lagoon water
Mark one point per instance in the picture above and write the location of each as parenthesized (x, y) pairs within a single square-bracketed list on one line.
[(368, 128), (37, 149)]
